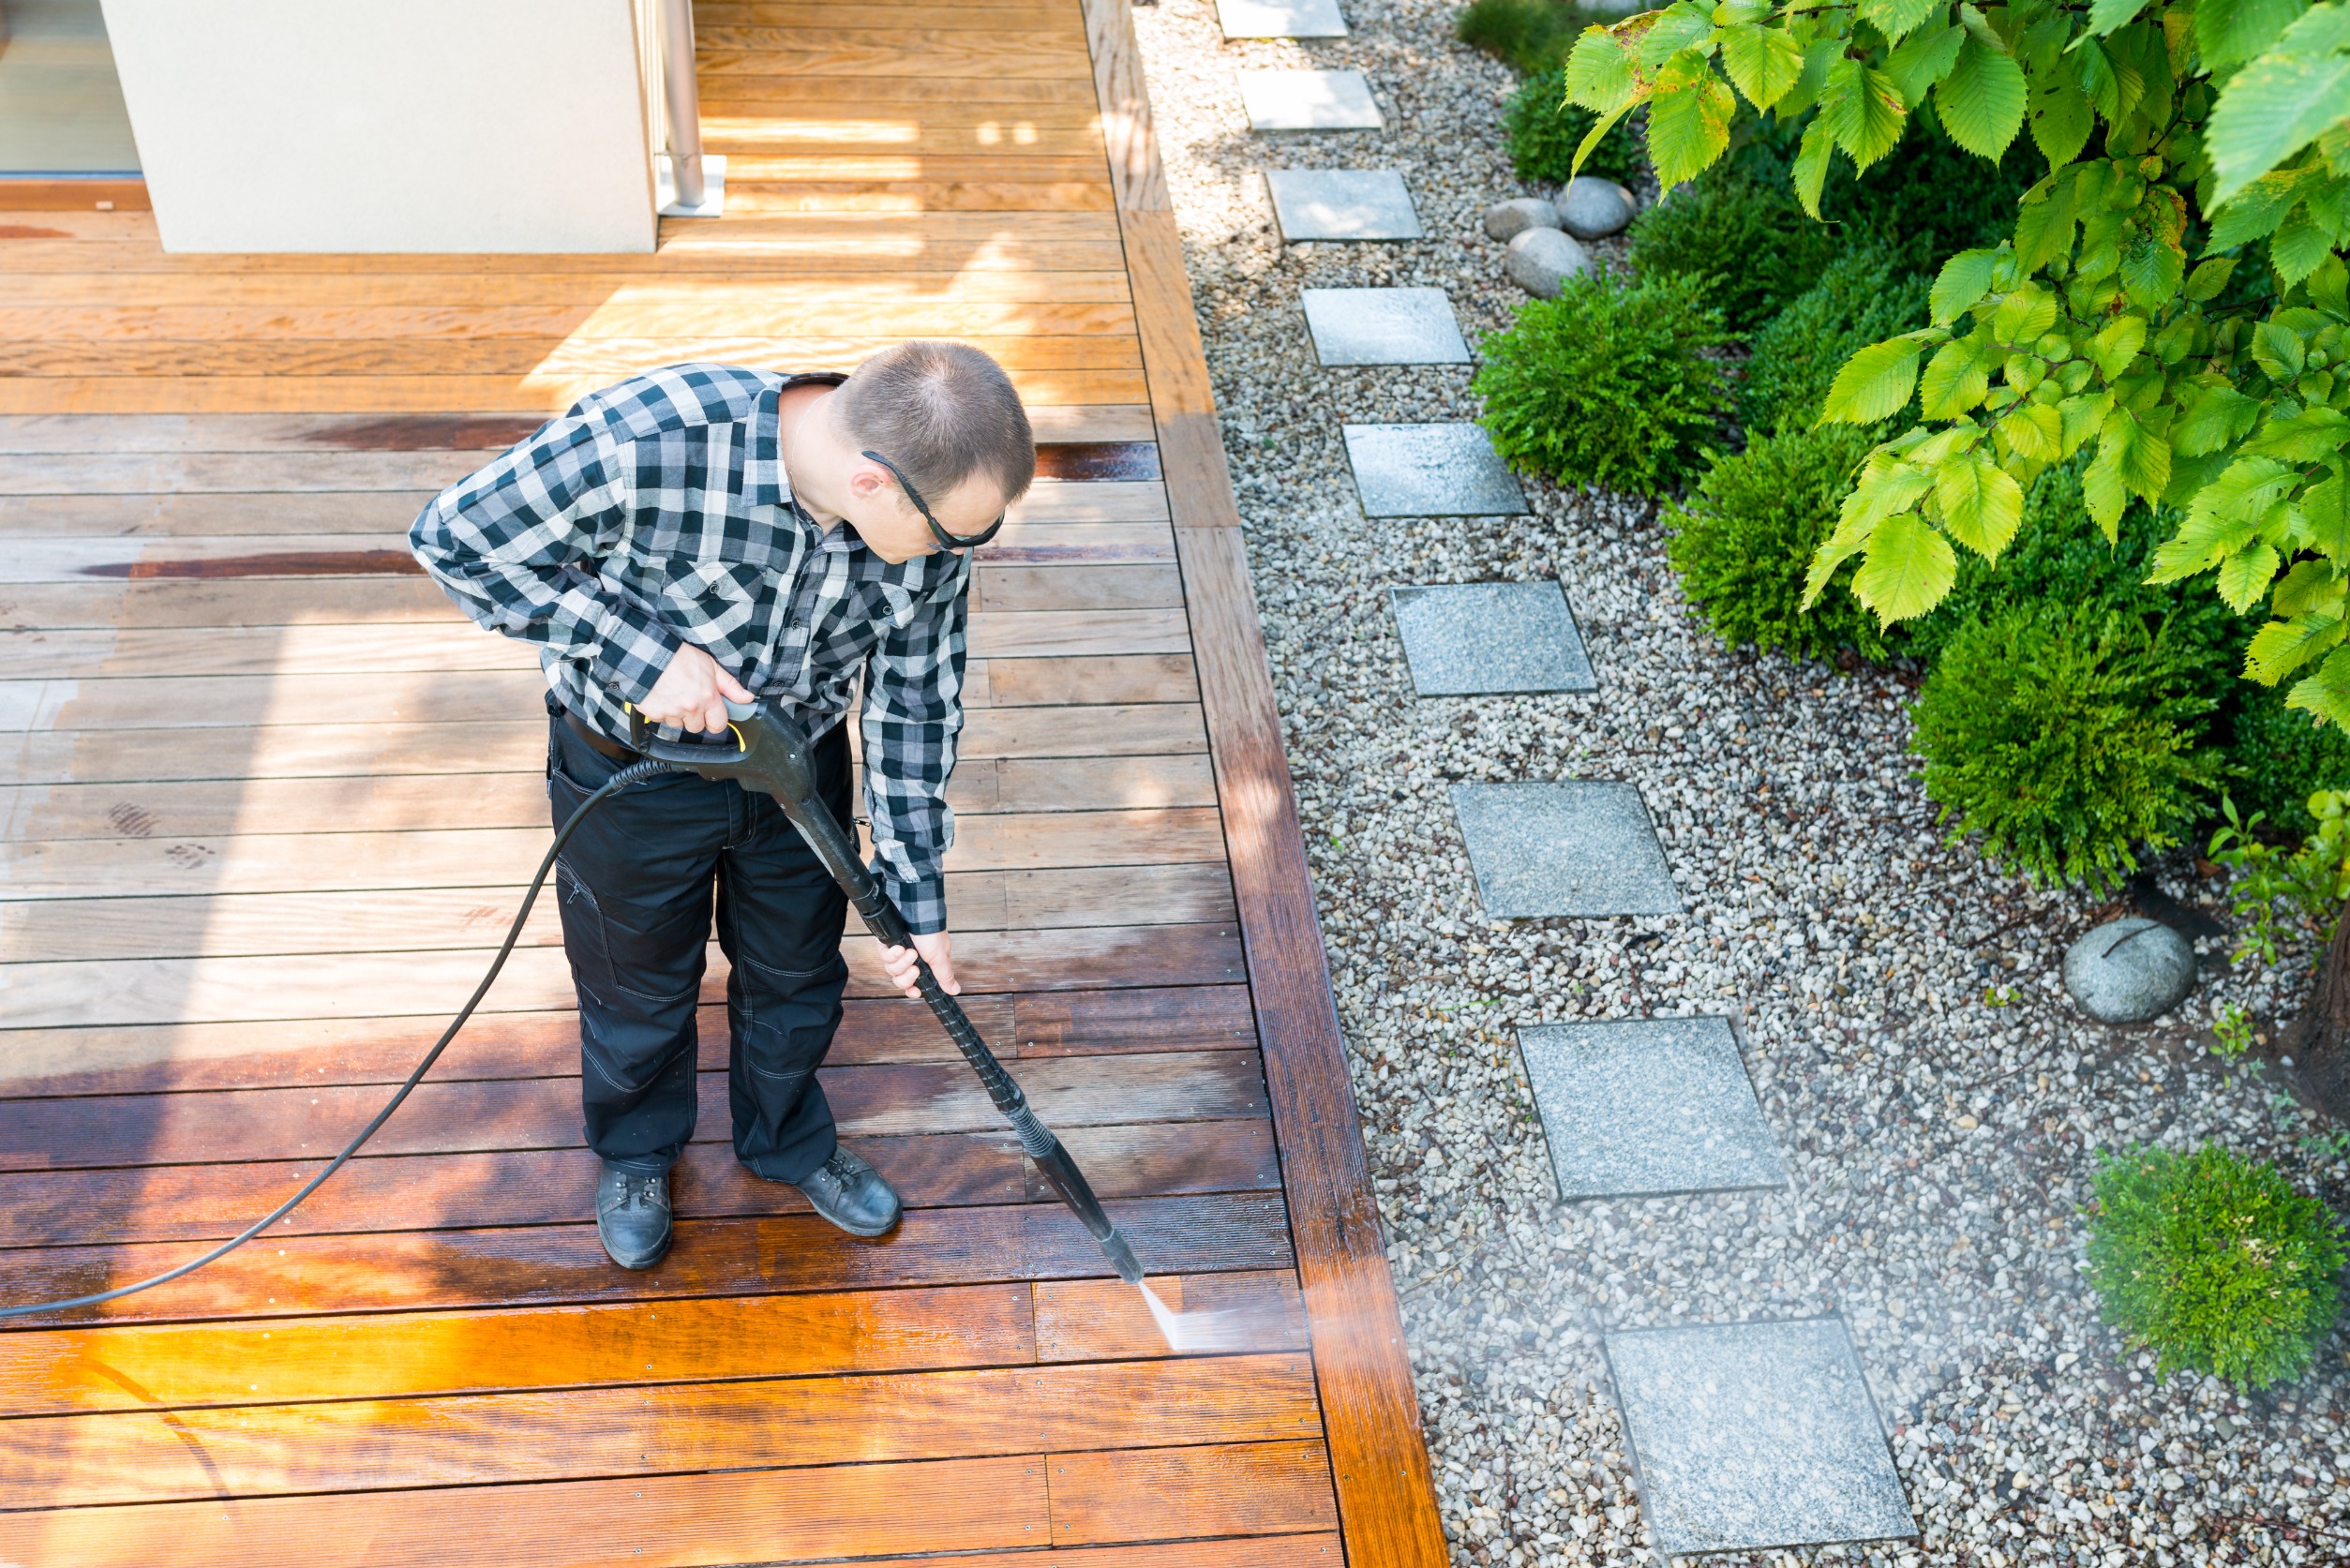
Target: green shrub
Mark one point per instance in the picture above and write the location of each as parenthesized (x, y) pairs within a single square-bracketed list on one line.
[(1544, 130), (2214, 1263), (2065, 734), (2279, 756), (1863, 297), (1529, 36), (1607, 384), (1744, 541), (1754, 247)]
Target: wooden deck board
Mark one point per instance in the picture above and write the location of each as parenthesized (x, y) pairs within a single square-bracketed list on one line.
[(265, 800)]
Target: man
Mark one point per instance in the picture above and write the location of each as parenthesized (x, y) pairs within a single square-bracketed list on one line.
[(704, 532)]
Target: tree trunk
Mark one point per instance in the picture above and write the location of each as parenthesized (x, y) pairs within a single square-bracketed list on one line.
[(2319, 1040)]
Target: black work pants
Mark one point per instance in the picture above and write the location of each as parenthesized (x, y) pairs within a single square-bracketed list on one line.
[(635, 883)]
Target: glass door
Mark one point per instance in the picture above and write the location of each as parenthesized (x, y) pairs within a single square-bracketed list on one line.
[(60, 106)]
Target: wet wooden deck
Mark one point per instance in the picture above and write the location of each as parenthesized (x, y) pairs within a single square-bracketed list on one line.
[(268, 800)]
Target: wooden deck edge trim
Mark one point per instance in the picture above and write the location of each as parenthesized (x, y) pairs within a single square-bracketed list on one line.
[(73, 194), (1378, 1459)]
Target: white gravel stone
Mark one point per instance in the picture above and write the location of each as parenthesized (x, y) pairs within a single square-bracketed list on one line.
[(1540, 261), (1507, 220), (1940, 1103)]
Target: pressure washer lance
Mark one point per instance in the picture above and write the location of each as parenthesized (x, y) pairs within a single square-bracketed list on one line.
[(772, 757)]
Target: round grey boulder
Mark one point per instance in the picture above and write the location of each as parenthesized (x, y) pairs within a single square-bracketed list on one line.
[(1593, 209), (2130, 970), (1505, 220), (1540, 261)]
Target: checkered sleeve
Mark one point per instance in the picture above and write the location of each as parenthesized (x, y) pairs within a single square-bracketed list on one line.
[(913, 712), (523, 548)]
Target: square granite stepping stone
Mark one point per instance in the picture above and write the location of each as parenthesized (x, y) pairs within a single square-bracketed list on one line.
[(1342, 205), (1281, 19), (1465, 639), (1750, 1436), (1430, 471), (1384, 326), (1308, 101), (1580, 847), (1642, 1107)]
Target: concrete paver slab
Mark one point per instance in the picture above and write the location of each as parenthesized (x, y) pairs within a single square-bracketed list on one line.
[(1466, 639), (1342, 205), (1281, 19), (1580, 847), (1384, 326), (1642, 1107), (1430, 471), (1308, 101)]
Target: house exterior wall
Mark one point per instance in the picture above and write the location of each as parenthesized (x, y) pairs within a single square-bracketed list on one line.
[(297, 126)]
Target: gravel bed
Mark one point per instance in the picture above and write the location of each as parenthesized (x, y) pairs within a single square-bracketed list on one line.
[(1938, 1145)]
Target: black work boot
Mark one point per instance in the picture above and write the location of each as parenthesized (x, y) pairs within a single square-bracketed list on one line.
[(851, 1194), (632, 1215)]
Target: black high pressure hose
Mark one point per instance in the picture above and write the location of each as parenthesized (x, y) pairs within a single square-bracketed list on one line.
[(635, 772)]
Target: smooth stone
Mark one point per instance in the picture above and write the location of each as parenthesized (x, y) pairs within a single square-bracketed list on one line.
[(1342, 205), (1752, 1436), (1580, 847), (1643, 1108), (1508, 219), (1593, 209), (1384, 326), (2130, 970), (1471, 640), (1281, 19), (1540, 261), (1430, 471), (1308, 101)]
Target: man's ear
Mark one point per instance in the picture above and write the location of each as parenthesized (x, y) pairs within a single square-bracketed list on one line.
[(867, 478)]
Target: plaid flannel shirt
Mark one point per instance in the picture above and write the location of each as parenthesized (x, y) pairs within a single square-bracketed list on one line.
[(658, 512)]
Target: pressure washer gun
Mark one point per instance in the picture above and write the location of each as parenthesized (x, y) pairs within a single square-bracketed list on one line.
[(770, 757)]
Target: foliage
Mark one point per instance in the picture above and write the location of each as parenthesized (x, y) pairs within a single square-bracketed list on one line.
[(2214, 1263), (2276, 887), (1529, 36), (1748, 240), (2063, 735), (1607, 384), (1742, 541), (1863, 296), (2231, 1032), (1544, 130), (2183, 141), (2279, 755)]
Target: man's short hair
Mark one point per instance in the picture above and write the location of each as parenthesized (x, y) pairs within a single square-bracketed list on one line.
[(940, 412)]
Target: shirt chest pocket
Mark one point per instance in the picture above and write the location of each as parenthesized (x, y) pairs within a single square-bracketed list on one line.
[(725, 605)]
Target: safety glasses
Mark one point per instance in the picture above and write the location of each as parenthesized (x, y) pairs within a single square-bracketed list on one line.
[(938, 529)]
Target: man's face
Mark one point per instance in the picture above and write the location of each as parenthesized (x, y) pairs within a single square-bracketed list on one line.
[(886, 518)]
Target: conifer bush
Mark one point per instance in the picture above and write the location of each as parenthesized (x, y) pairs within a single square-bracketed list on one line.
[(1743, 540), (1747, 239), (2214, 1263), (1865, 294), (1607, 384), (2066, 735), (2279, 756)]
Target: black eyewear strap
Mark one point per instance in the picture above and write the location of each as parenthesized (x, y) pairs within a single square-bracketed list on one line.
[(938, 530)]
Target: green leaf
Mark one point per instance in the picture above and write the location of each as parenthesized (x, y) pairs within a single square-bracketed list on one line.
[(1981, 102), (2034, 431), (1685, 24), (2277, 349), (2212, 417), (2060, 116), (2277, 104), (2106, 16), (2143, 460), (2044, 229), (2229, 32), (1886, 486), (2310, 586), (2306, 436), (2084, 415), (2256, 210), (2151, 271), (1906, 570), (2298, 245), (1599, 73), (1599, 133), (2245, 575), (1964, 279), (2103, 490), (1811, 166), (1823, 53), (1896, 19), (1862, 110), (1924, 59), (2282, 647), (2207, 280), (2325, 511), (2024, 316), (2118, 344), (1764, 62), (1955, 379), (1981, 502), (1873, 384), (2326, 692), (1688, 120)]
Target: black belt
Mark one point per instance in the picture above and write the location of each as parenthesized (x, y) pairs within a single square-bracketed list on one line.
[(612, 749)]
